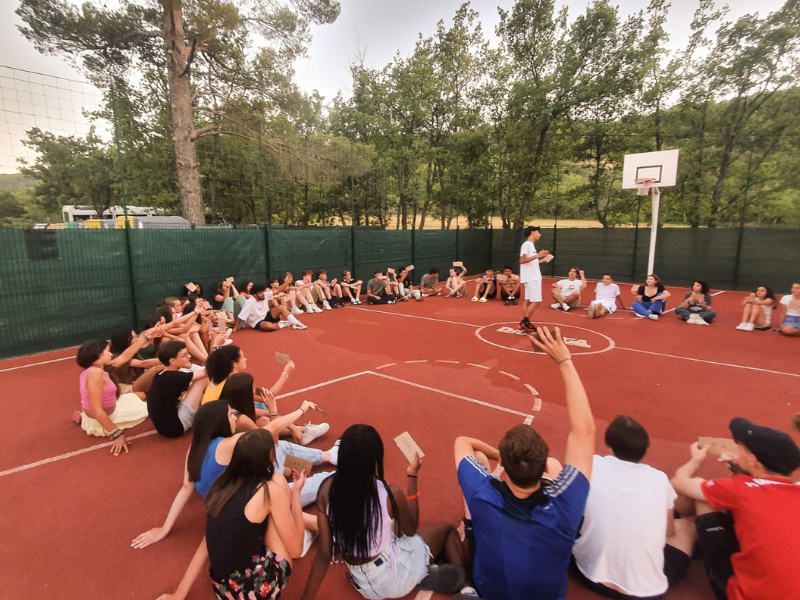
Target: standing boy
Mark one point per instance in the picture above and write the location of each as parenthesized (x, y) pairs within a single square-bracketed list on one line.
[(530, 275)]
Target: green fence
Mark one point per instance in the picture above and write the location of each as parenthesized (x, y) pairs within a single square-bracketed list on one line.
[(61, 287)]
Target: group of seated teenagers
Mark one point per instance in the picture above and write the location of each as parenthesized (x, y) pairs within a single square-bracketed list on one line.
[(631, 534), (485, 287), (650, 302)]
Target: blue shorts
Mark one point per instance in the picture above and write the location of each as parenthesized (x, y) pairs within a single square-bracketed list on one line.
[(791, 321)]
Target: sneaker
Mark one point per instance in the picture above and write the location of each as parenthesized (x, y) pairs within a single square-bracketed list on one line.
[(444, 579), (527, 326), (474, 298), (353, 302), (748, 327), (299, 325), (741, 326), (326, 305), (310, 310), (334, 452), (555, 306), (391, 302), (640, 316), (296, 311), (565, 306), (653, 317), (696, 319), (227, 342), (764, 328), (358, 301), (482, 300), (316, 308), (312, 432), (308, 539), (514, 301), (508, 302)]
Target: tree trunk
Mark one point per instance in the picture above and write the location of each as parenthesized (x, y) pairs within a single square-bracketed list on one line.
[(180, 99)]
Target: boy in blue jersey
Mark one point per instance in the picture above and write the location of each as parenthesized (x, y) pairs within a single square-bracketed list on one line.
[(522, 531)]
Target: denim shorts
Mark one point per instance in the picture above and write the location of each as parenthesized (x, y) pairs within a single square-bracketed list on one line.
[(791, 321), (377, 579)]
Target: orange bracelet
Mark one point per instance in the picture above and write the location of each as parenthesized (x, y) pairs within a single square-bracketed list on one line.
[(414, 497)]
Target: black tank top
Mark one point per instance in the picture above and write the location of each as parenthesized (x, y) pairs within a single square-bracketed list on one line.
[(232, 540)]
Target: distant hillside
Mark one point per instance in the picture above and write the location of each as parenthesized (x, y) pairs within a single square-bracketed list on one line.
[(14, 181)]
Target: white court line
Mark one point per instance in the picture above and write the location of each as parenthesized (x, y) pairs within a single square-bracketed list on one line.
[(385, 366), (44, 362), (479, 366), (528, 420), (386, 312), (514, 377), (531, 389), (53, 459), (714, 294), (323, 384), (711, 362), (449, 362), (537, 404), (414, 362)]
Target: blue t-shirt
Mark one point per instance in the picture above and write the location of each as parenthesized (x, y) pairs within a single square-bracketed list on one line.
[(210, 469), (522, 547)]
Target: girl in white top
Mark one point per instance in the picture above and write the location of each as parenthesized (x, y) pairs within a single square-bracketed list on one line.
[(380, 564), (456, 286), (790, 305), (757, 311)]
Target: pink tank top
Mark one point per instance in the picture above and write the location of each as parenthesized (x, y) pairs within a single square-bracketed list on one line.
[(385, 536), (109, 391)]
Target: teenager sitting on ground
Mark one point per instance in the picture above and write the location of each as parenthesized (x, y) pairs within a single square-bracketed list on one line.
[(244, 288), (567, 292), (259, 315), (455, 284), (429, 285), (790, 312), (376, 290), (485, 287), (406, 289), (254, 526), (509, 286), (137, 374), (696, 305), (175, 395), (213, 439), (747, 524), (183, 328), (307, 291), (228, 299), (650, 298), (606, 297), (191, 294), (330, 291), (210, 338), (630, 545), (373, 527), (521, 531), (351, 287), (757, 311), (106, 412)]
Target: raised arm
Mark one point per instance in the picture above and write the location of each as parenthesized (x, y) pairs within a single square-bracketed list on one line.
[(141, 341), (324, 547), (685, 481), (277, 425), (193, 570), (583, 279), (580, 441)]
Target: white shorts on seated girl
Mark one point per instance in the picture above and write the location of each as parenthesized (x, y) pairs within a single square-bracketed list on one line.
[(129, 412), (609, 305), (396, 571)]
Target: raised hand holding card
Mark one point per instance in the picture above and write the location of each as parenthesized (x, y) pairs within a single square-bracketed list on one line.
[(408, 446), (281, 358)]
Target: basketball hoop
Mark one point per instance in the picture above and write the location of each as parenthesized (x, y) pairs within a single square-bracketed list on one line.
[(644, 185)]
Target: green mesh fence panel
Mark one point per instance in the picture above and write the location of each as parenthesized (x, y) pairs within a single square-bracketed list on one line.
[(596, 251), (298, 248), (505, 248), (685, 254), (164, 260), (434, 249), (380, 249), (61, 288), (769, 257), (474, 246)]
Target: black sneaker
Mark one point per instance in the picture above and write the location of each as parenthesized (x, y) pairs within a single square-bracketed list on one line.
[(514, 301), (508, 302), (527, 326)]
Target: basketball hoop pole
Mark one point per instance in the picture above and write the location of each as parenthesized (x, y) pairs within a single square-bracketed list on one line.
[(651, 261)]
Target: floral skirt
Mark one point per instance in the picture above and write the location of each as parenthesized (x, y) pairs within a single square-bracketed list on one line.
[(264, 578)]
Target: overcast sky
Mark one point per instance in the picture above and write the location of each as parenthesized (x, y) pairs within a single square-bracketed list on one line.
[(380, 28)]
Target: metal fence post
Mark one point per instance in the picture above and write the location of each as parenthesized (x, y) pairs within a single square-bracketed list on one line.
[(266, 248), (124, 209), (636, 238), (267, 211)]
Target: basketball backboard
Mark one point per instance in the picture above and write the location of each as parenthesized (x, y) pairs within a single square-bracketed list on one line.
[(661, 167)]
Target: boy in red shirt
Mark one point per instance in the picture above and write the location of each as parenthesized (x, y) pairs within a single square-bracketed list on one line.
[(747, 524)]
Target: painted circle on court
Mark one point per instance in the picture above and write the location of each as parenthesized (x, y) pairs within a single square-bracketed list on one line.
[(508, 336)]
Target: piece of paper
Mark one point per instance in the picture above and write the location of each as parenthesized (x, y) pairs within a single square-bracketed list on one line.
[(191, 287), (547, 258), (718, 445), (222, 322), (281, 358), (292, 462), (390, 271), (458, 263), (410, 268), (229, 280), (408, 446)]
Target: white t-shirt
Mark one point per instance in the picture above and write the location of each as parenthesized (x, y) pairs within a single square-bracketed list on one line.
[(529, 271), (253, 311), (606, 292), (625, 527), (790, 312), (569, 287)]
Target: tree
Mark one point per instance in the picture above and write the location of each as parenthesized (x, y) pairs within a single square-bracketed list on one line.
[(206, 39)]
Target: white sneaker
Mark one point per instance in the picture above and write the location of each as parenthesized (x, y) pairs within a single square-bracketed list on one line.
[(741, 326), (748, 327), (696, 319), (358, 301), (299, 325), (334, 452), (353, 302), (653, 316), (296, 311), (312, 432), (316, 308), (554, 305), (308, 539), (326, 305), (310, 310), (565, 306), (640, 316)]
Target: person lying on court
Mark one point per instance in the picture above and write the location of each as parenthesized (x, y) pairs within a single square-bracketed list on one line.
[(259, 315), (175, 395), (747, 524), (696, 305), (520, 530), (254, 526), (567, 292), (606, 298), (373, 527), (377, 290), (213, 440), (651, 298), (104, 411), (630, 544)]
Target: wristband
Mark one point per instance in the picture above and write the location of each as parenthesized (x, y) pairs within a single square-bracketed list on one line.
[(412, 476), (414, 497), (144, 335), (285, 375), (116, 433), (565, 359)]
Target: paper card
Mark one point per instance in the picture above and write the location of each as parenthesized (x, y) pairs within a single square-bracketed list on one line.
[(547, 258), (222, 322), (390, 271), (191, 287), (458, 263), (229, 280), (408, 446), (281, 358), (718, 445), (410, 268), (292, 462)]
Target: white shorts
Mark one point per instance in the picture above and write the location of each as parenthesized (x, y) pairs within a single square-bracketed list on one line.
[(533, 290), (375, 581), (610, 306)]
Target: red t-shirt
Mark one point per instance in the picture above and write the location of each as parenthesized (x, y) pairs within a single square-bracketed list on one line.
[(765, 513)]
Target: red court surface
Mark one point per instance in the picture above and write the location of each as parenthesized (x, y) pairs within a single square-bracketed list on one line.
[(438, 368)]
